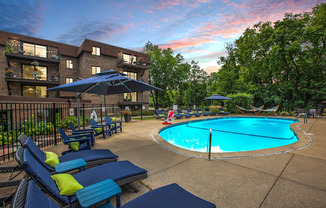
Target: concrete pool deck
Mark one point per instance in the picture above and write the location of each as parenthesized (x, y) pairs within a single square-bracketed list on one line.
[(292, 179)]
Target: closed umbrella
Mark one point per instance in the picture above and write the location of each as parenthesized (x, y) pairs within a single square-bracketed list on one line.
[(105, 83)]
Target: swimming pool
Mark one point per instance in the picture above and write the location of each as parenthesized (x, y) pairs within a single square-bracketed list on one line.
[(231, 134)]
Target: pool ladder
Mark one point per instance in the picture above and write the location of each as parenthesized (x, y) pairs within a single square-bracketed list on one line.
[(304, 115), (210, 145)]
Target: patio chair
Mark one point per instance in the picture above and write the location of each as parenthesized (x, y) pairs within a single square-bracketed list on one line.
[(28, 195), (187, 115), (77, 142), (92, 157), (160, 114), (192, 113), (105, 130), (178, 115), (82, 131), (210, 112), (312, 112), (202, 112), (121, 172), (115, 125), (318, 113), (222, 112)]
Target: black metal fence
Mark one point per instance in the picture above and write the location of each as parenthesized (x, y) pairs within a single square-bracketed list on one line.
[(41, 120)]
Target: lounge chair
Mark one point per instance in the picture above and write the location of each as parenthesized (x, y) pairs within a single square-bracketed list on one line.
[(202, 112), (92, 157), (76, 143), (178, 115), (105, 130), (115, 125), (121, 172), (312, 112), (210, 112), (192, 113), (82, 131), (160, 114), (187, 115), (28, 195), (221, 111)]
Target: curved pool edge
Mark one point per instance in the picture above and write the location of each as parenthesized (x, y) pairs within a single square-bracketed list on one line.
[(303, 141)]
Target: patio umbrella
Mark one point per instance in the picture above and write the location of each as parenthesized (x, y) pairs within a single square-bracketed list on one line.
[(104, 83), (217, 97)]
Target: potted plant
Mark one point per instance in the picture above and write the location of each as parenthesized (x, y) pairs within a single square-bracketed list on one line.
[(9, 73), (8, 49), (35, 63), (127, 115)]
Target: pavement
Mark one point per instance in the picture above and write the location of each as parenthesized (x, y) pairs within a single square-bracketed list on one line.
[(295, 178)]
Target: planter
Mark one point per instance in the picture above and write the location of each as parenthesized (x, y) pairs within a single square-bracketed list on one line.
[(9, 75), (127, 118)]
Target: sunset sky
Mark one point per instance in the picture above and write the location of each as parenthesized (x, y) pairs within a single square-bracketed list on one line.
[(198, 29)]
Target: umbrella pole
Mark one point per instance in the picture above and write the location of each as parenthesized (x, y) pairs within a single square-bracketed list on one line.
[(104, 106), (78, 108)]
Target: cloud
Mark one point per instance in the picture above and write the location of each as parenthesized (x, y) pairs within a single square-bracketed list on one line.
[(23, 17), (94, 30), (210, 69), (163, 4)]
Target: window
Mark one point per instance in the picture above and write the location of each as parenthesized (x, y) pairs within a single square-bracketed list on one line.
[(130, 59), (69, 80), (69, 64), (34, 72), (96, 69), (34, 91), (131, 97), (96, 51), (34, 50)]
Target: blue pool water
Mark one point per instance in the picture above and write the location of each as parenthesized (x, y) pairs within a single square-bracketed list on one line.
[(231, 134)]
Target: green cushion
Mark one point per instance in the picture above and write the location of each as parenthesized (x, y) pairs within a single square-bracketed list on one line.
[(200, 111), (221, 111), (98, 130), (161, 114), (51, 159), (67, 184), (113, 119), (74, 146), (112, 126), (181, 113), (191, 113)]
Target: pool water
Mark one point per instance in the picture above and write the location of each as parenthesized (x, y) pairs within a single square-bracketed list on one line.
[(231, 134)]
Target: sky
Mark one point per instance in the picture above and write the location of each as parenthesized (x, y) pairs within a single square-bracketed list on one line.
[(198, 29)]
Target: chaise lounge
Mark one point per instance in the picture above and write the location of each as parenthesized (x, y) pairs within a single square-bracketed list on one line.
[(28, 195), (92, 157)]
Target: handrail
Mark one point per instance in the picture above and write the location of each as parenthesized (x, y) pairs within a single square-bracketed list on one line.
[(210, 145)]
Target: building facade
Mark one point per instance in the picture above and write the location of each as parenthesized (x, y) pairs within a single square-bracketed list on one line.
[(32, 65)]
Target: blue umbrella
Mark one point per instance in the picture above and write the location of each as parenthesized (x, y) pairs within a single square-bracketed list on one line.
[(217, 97), (105, 83)]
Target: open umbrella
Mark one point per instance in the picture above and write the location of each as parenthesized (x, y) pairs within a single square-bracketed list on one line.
[(217, 97), (104, 83)]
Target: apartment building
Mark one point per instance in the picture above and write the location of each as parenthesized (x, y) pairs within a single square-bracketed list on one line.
[(31, 65)]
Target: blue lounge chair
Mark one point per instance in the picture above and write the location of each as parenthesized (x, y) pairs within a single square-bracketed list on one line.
[(187, 115), (77, 142), (192, 113), (160, 114), (210, 112), (117, 125), (82, 131), (105, 130), (178, 115), (121, 172), (92, 157), (28, 195), (202, 112), (221, 111)]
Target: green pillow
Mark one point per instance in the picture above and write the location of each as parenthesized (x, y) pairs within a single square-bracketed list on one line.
[(221, 111), (74, 146), (161, 114), (191, 113), (67, 184), (113, 119), (200, 111), (181, 113), (98, 130), (112, 126), (51, 159)]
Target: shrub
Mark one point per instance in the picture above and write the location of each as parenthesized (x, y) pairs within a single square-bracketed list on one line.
[(241, 99)]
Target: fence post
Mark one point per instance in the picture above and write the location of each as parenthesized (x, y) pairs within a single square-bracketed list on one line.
[(210, 145), (141, 112), (101, 112), (84, 115), (55, 123)]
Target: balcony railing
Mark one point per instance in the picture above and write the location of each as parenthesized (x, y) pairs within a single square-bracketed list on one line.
[(34, 50), (53, 80)]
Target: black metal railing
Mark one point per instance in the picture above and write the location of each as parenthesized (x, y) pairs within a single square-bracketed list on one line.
[(41, 120)]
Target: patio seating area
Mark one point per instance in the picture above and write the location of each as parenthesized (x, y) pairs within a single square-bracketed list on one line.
[(294, 179)]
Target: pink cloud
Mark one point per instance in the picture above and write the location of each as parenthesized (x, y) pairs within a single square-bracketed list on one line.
[(169, 3), (210, 69)]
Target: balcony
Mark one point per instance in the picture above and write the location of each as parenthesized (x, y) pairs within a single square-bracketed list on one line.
[(53, 81), (132, 65), (28, 51)]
